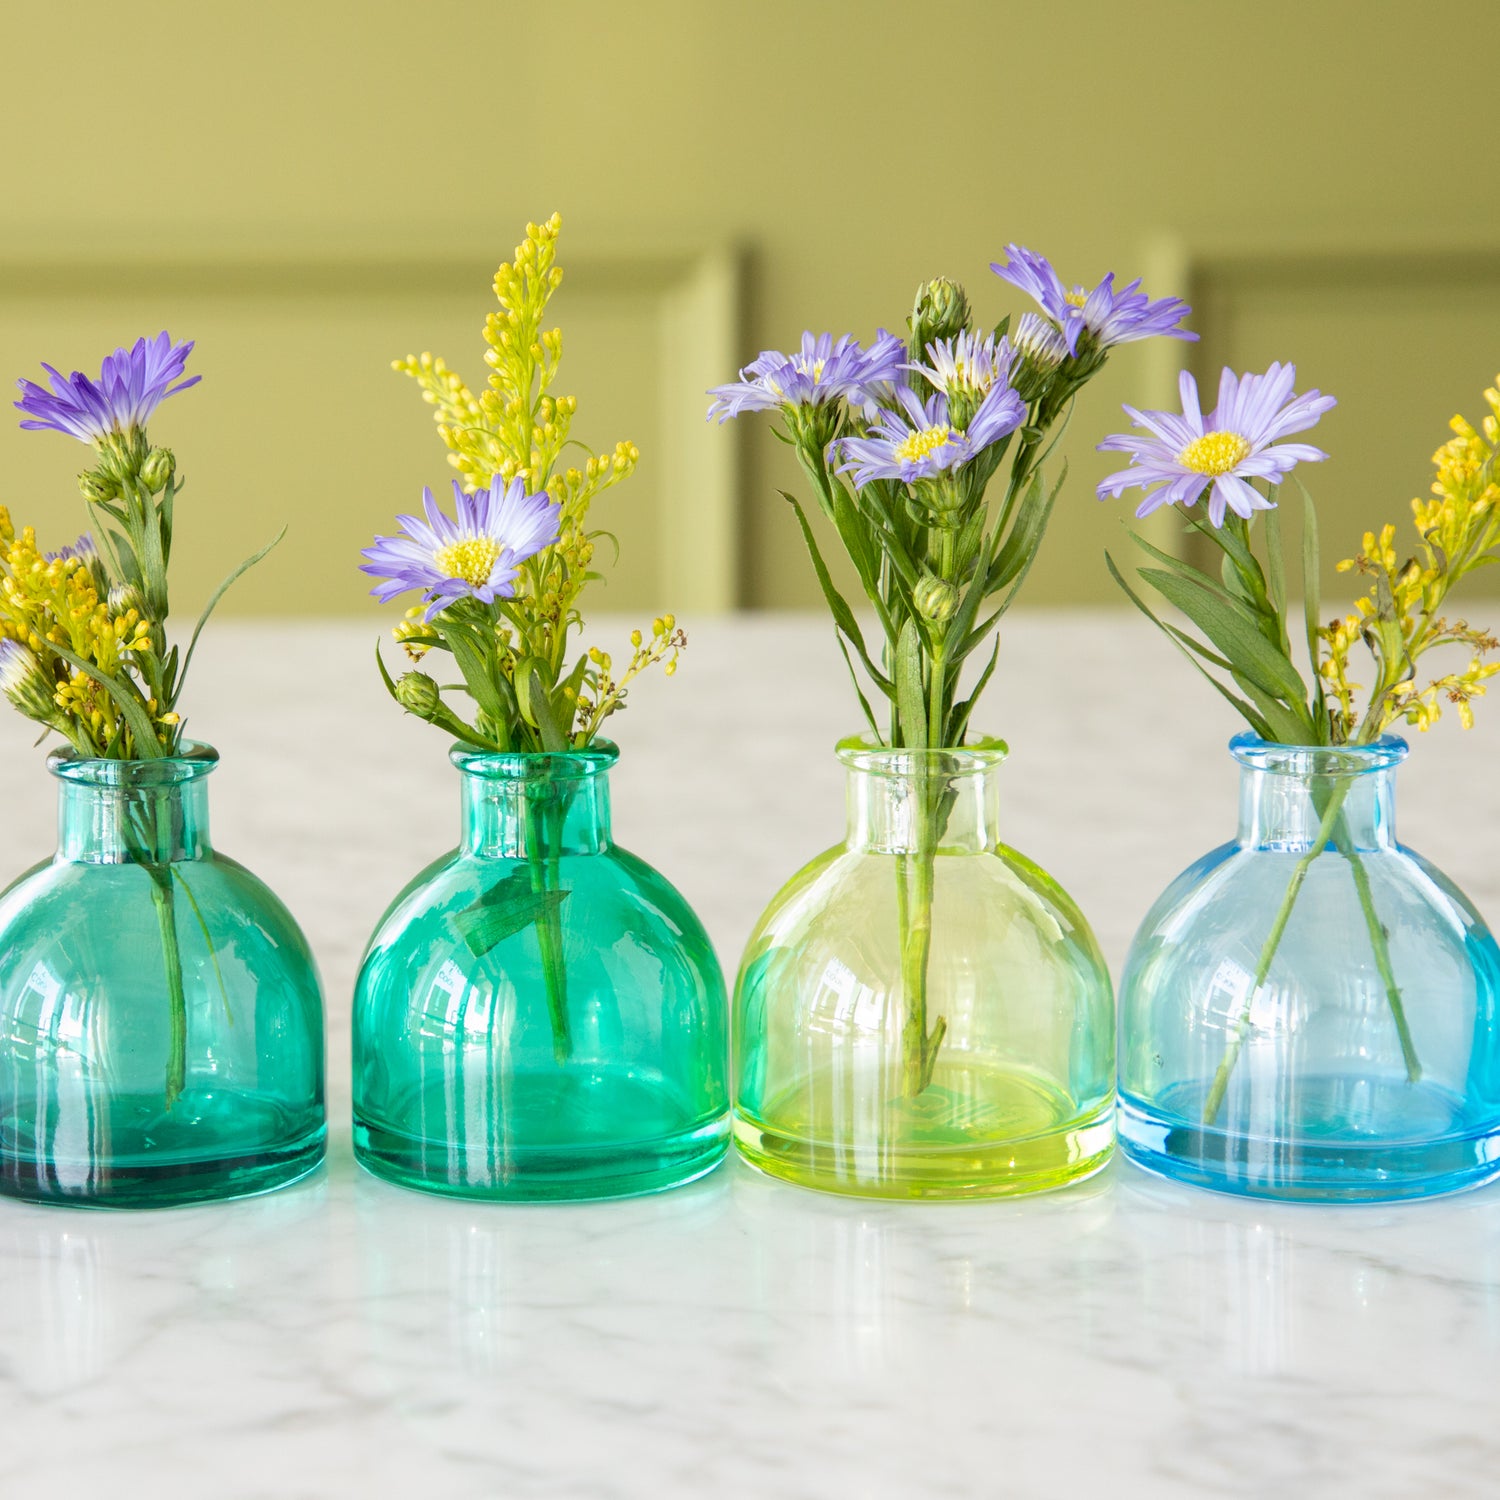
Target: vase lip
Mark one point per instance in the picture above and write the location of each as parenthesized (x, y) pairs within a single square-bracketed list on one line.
[(193, 761), (593, 759), (864, 752), (1249, 749)]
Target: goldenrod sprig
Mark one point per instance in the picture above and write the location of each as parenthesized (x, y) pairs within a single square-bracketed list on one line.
[(1399, 619), (517, 429)]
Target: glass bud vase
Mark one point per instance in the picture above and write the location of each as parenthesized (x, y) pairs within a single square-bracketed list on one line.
[(922, 1012), (161, 1024), (539, 1014), (1310, 1011)]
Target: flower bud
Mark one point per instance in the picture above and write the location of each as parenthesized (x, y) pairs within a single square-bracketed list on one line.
[(158, 469), (24, 681), (941, 312), (97, 488), (935, 598), (418, 694), (124, 597)]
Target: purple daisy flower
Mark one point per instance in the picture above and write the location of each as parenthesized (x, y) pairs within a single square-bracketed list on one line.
[(132, 383), (1113, 317), (1184, 455), (475, 556), (920, 441), (967, 364), (821, 371)]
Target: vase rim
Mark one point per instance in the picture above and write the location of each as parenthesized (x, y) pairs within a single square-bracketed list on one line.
[(593, 759), (1249, 749), (193, 761), (863, 752)]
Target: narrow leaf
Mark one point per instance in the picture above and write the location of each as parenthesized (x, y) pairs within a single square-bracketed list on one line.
[(504, 910), (1182, 642), (126, 698), (910, 699), (218, 594), (1232, 628), (843, 616), (859, 692), (1311, 577), (959, 724)]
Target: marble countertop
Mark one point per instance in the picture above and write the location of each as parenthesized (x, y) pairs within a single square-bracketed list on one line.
[(347, 1338)]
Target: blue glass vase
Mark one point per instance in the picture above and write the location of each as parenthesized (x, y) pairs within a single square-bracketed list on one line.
[(539, 1014), (1310, 1011), (161, 1024)]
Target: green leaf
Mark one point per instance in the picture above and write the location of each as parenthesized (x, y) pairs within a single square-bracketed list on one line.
[(1276, 573), (1233, 629), (959, 724), (218, 593), (910, 699), (1188, 646), (1034, 541), (859, 692), (504, 910), (472, 662), (1311, 577), (843, 616), (535, 703), (126, 697)]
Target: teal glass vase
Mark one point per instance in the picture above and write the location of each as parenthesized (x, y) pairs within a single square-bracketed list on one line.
[(1310, 1010), (922, 1012), (539, 1014), (161, 1023)]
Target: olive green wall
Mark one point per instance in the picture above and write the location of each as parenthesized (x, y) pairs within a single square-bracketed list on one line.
[(274, 178)]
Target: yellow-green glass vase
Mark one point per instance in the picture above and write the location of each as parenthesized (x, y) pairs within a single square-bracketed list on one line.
[(922, 1012)]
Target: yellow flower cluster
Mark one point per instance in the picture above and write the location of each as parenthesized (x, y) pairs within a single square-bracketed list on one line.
[(54, 605), (603, 694), (1398, 620), (516, 427)]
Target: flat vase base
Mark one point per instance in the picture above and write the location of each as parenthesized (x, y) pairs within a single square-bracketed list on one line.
[(926, 1169), (205, 1150), (1331, 1161), (541, 1174)]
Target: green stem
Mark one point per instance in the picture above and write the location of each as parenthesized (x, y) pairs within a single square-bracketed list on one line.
[(1380, 944), (544, 865), (166, 917), (1214, 1102), (915, 873)]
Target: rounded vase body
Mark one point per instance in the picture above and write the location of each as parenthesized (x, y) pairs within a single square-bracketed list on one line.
[(540, 1015), (922, 1012), (161, 1023), (1310, 1011)]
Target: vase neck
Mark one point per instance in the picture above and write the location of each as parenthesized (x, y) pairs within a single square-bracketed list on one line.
[(1294, 799), (536, 805), (905, 801), (133, 812)]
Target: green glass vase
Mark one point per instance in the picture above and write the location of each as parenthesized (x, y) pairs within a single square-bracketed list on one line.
[(922, 1012), (539, 1014), (161, 1024)]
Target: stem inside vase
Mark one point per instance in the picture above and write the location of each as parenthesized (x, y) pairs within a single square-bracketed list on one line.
[(1332, 828)]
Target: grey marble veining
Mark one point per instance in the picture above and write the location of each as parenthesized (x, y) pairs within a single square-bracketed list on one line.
[(738, 1336)]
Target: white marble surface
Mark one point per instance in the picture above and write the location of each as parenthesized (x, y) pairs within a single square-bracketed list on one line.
[(347, 1338)]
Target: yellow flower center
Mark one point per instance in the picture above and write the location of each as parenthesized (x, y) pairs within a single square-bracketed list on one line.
[(472, 558), (1214, 453), (1077, 297), (920, 444)]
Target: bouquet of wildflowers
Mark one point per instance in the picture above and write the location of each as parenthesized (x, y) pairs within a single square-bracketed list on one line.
[(84, 649), (903, 443), (500, 581), (1235, 457)]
